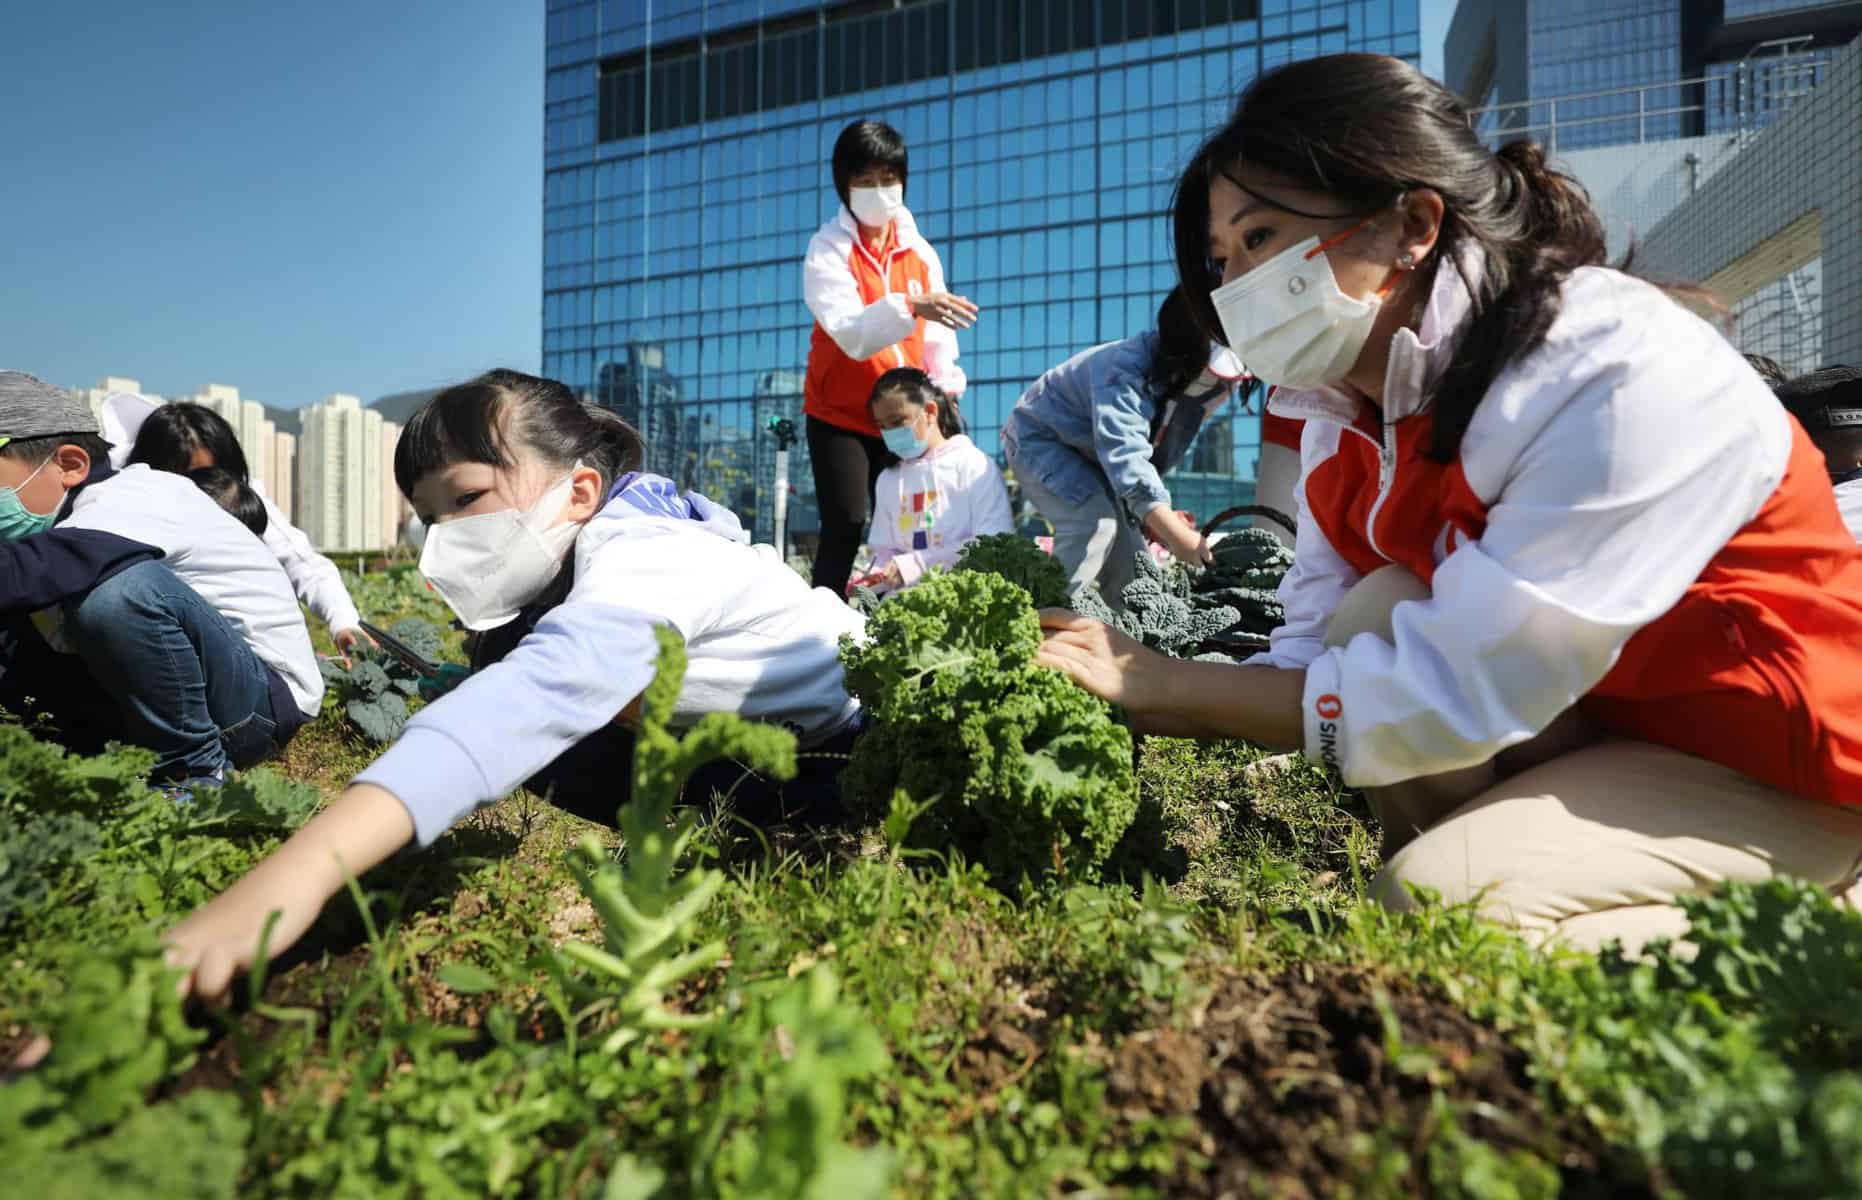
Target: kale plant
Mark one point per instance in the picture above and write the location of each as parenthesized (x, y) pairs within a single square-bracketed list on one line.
[(1008, 762), (373, 687), (1244, 574), (647, 905), (1018, 560), (1161, 610)]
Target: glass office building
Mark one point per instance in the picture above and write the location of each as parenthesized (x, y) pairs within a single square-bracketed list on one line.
[(686, 167), (1585, 73)]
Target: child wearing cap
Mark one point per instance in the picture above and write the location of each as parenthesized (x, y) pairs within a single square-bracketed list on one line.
[(1828, 403), (134, 607)]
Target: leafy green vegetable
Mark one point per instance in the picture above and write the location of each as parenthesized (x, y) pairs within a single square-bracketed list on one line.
[(1244, 574), (116, 1033), (1010, 763), (1020, 561), (647, 905), (373, 687), (1161, 610)]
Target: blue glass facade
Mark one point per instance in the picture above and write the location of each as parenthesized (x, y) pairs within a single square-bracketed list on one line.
[(686, 168), (1598, 45)]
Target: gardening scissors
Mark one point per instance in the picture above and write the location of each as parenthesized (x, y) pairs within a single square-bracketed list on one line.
[(409, 657)]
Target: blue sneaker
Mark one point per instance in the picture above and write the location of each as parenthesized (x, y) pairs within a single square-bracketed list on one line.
[(182, 791)]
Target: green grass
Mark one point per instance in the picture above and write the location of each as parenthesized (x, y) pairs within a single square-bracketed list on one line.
[(888, 1023)]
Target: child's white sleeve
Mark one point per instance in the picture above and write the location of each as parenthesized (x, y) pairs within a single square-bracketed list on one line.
[(574, 673)]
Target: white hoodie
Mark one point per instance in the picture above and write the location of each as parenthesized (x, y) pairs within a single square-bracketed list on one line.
[(926, 510)]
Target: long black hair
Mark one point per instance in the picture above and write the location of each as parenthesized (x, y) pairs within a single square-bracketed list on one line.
[(1182, 348), (863, 145), (485, 420), (172, 434), (1366, 128), (918, 390)]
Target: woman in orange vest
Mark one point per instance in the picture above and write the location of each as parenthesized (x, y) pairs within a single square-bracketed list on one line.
[(876, 289), (1573, 603)]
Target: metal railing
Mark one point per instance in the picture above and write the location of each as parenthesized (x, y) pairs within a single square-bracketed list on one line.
[(1739, 101)]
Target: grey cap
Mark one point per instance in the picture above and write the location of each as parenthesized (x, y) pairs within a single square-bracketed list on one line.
[(31, 407)]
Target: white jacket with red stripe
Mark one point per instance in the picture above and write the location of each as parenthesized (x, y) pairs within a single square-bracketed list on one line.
[(1632, 523)]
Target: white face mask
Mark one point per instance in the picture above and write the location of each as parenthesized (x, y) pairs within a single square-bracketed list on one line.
[(489, 566), (876, 206), (1289, 322)]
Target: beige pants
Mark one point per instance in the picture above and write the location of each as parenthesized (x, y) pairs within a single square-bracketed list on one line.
[(1588, 840)]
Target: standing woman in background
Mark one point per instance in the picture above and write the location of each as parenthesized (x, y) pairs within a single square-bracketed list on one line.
[(876, 289), (181, 438)]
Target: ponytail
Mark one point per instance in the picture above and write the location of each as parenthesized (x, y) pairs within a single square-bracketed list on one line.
[(1537, 228), (1182, 348)]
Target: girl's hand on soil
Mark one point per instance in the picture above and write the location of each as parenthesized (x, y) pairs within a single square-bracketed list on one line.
[(221, 939), (945, 309), (1104, 661)]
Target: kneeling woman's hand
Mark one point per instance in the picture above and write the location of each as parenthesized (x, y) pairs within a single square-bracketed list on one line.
[(1104, 661)]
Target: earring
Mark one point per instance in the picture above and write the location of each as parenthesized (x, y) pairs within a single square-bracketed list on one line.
[(1406, 261)]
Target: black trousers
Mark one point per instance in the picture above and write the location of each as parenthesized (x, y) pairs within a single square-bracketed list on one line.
[(847, 466), (595, 776)]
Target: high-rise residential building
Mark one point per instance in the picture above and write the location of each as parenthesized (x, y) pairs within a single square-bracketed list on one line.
[(394, 508), (254, 429), (686, 166), (284, 474), (1645, 101), (94, 396), (340, 467)]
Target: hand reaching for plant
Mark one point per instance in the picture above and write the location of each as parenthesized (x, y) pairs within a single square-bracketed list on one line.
[(348, 641), (221, 938)]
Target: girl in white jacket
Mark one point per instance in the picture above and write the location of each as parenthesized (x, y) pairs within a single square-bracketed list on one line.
[(941, 494), (185, 437), (545, 538)]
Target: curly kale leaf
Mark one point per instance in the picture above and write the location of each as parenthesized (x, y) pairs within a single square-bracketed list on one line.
[(1018, 560), (929, 644), (1014, 766)]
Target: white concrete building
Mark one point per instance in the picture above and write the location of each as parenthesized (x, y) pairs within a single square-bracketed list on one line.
[(93, 396), (340, 468), (284, 471), (252, 427), (394, 509)]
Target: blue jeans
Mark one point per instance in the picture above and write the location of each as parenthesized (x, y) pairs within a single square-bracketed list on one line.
[(185, 680)]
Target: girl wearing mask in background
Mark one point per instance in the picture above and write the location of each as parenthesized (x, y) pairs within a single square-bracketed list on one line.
[(1091, 440), (1573, 603), (544, 538), (876, 289), (182, 438), (941, 494)]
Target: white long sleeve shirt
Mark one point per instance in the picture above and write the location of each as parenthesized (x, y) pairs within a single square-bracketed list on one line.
[(315, 579), (927, 510)]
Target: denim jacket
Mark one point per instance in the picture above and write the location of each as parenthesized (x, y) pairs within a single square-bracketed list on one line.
[(1095, 426)]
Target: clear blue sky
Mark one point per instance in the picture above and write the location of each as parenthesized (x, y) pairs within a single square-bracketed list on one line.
[(294, 199)]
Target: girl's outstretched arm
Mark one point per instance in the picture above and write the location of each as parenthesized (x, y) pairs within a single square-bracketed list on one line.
[(363, 827)]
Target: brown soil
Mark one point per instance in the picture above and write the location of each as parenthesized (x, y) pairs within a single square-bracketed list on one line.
[(1279, 1074)]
